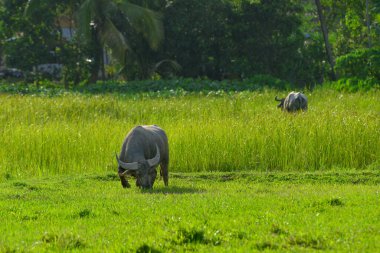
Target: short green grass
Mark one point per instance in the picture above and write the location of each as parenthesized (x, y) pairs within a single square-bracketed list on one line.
[(199, 212)]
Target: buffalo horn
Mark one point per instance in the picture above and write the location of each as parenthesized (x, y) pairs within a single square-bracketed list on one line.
[(277, 99), (127, 166), (156, 159)]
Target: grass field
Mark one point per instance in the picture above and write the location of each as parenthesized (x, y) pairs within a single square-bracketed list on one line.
[(243, 176), (201, 212)]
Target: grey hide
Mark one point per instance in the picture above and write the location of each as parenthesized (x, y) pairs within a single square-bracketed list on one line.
[(143, 149), (295, 101)]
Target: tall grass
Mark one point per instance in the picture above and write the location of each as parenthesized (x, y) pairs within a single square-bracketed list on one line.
[(74, 133)]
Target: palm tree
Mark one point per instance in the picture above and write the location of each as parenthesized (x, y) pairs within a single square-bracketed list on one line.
[(96, 22)]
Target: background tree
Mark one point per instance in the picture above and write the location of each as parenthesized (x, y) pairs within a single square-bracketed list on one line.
[(240, 39), (348, 22), (96, 24), (142, 58), (268, 38), (2, 29), (324, 30), (30, 41), (213, 39), (197, 37)]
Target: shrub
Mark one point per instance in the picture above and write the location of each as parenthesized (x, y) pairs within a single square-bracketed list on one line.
[(269, 81), (172, 86), (362, 64), (354, 84)]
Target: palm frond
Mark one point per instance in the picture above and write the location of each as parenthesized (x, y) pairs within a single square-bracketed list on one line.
[(31, 7), (145, 21), (174, 65), (84, 17), (110, 36)]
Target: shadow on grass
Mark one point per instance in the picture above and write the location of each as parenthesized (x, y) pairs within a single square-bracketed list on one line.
[(339, 177), (173, 190), (147, 249), (24, 185), (106, 177)]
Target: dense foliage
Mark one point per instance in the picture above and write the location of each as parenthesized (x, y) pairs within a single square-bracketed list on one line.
[(216, 39), (358, 70), (28, 41), (258, 82), (363, 63)]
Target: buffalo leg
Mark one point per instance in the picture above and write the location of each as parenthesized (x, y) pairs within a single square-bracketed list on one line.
[(164, 172)]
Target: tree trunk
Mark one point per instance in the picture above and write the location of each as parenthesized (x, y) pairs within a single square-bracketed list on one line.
[(326, 39), (1, 56), (98, 58), (102, 65), (95, 71), (368, 23)]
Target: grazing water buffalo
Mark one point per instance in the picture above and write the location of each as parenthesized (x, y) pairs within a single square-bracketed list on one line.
[(144, 148), (295, 101)]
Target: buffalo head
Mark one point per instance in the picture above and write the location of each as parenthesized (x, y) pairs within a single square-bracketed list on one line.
[(144, 171)]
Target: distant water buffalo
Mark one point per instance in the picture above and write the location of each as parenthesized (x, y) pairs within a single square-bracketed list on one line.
[(144, 148), (295, 101)]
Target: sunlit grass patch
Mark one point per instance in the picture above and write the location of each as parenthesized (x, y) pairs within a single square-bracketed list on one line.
[(197, 212)]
